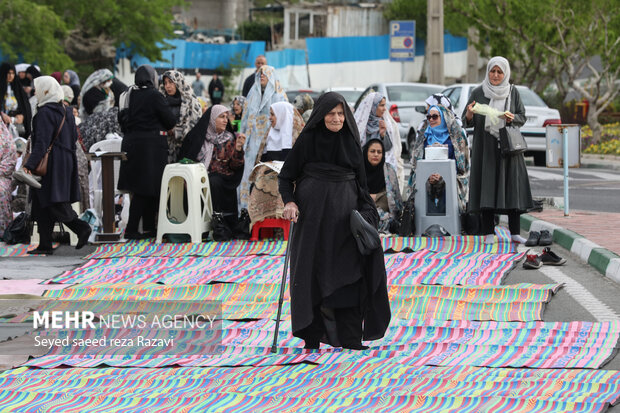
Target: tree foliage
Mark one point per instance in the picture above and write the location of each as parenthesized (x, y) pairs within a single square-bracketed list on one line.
[(545, 41), (59, 33)]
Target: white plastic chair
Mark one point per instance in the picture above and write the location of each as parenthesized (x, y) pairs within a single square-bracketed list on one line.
[(176, 179)]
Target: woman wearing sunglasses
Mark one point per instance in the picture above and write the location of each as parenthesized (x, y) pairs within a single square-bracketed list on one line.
[(499, 185), (442, 127)]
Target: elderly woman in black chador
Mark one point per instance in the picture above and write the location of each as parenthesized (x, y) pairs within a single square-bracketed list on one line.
[(338, 295)]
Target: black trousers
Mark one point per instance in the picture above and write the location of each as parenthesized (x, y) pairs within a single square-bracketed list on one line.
[(145, 208), (488, 222), (48, 216)]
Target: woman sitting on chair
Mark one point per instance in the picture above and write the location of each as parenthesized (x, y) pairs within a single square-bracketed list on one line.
[(265, 200), (213, 143), (382, 185), (442, 128)]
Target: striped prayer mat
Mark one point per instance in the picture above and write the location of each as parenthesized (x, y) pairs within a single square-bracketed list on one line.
[(521, 302), (19, 250), (238, 402), (421, 267), (228, 292), (416, 388), (456, 244), (409, 342)]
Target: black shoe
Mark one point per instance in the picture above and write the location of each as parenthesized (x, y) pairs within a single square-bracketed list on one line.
[(533, 239), (355, 346), (549, 257), (83, 237), (545, 238), (41, 251), (312, 345)]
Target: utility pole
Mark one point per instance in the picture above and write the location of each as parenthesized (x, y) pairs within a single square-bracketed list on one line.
[(472, 56), (434, 47)]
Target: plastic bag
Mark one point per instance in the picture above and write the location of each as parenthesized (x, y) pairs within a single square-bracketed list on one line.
[(492, 114)]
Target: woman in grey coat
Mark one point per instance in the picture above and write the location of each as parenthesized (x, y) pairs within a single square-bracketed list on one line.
[(498, 184)]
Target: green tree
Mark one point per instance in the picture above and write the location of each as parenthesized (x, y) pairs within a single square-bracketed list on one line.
[(59, 33), (552, 41), (34, 32)]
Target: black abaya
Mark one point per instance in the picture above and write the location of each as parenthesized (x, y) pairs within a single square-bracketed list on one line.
[(329, 276)]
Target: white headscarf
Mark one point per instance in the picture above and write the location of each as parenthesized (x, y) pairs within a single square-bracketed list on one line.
[(497, 94), (281, 136), (47, 90), (362, 115)]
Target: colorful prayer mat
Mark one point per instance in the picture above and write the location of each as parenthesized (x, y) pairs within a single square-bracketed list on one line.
[(456, 244), (334, 383), (19, 250), (253, 292), (422, 267)]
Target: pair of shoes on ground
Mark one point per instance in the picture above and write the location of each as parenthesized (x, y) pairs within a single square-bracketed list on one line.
[(548, 257), (542, 238)]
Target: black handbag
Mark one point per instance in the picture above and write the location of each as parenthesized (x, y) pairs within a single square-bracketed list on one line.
[(511, 141), (242, 229), (366, 236), (19, 230), (406, 226), (219, 227)]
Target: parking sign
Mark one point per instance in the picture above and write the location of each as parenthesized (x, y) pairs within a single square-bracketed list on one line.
[(402, 41)]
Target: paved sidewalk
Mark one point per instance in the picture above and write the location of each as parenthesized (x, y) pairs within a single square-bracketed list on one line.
[(602, 228), (593, 236)]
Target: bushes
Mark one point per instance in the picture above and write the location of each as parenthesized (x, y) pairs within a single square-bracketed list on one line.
[(610, 140)]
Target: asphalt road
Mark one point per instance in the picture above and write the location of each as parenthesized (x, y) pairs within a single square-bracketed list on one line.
[(589, 189)]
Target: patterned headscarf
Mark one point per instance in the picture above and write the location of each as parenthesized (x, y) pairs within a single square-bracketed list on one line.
[(440, 99), (239, 99), (191, 111), (257, 98), (213, 138), (303, 102), (95, 79)]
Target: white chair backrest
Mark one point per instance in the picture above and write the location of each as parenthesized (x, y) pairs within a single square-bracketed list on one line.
[(108, 145)]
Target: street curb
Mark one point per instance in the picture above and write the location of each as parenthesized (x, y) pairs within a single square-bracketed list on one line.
[(604, 261)]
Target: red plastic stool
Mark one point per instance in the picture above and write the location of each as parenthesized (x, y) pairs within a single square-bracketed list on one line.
[(267, 225)]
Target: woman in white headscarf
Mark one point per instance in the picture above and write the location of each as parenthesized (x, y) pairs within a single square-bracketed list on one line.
[(265, 200), (255, 121), (54, 125), (498, 184), (375, 122)]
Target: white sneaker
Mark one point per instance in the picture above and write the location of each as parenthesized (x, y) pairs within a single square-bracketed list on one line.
[(28, 179)]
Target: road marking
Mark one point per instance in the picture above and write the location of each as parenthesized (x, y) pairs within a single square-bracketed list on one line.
[(598, 309), (546, 174)]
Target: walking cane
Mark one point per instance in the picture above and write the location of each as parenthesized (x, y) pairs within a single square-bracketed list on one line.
[(274, 346)]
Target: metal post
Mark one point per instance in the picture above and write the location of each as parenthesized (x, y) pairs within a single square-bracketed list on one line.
[(565, 164), (402, 72)]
